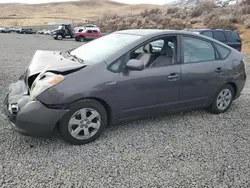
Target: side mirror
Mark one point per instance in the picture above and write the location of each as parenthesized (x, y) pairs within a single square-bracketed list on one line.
[(135, 64)]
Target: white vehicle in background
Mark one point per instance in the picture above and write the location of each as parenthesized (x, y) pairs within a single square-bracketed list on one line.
[(47, 32), (87, 26)]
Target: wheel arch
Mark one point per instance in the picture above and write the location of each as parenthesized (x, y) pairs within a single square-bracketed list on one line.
[(103, 103), (106, 106), (234, 87)]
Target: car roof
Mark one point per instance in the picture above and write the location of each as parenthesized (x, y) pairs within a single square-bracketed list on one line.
[(154, 32), (149, 33), (204, 29)]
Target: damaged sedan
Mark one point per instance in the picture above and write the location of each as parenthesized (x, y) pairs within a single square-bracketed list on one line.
[(125, 75)]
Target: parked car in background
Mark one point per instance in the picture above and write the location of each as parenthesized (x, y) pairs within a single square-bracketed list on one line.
[(123, 76), (41, 31), (4, 30), (27, 31), (63, 31), (87, 26), (229, 37), (15, 29), (47, 32), (88, 34)]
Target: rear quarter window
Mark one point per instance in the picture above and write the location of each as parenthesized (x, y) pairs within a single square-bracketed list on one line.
[(223, 51), (232, 36)]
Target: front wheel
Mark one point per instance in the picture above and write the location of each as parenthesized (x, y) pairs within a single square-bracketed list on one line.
[(222, 100), (82, 39), (84, 123)]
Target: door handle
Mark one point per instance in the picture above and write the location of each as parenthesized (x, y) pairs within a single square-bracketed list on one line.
[(219, 70), (173, 77)]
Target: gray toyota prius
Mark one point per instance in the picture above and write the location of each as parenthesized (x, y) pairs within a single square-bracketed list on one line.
[(127, 74)]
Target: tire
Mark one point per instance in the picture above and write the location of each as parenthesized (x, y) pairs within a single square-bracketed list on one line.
[(83, 124), (59, 37), (226, 100), (82, 39)]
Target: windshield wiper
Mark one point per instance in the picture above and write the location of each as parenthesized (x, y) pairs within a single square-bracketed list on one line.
[(74, 56)]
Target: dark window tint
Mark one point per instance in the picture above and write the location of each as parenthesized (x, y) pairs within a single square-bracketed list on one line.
[(94, 31), (208, 34), (89, 31), (224, 52), (197, 50), (220, 36), (232, 36)]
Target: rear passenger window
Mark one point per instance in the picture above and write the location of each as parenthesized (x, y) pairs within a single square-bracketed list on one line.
[(197, 50), (208, 34), (220, 36), (223, 51), (232, 36)]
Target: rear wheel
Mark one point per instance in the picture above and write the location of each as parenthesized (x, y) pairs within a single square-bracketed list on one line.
[(222, 100), (84, 123), (59, 37)]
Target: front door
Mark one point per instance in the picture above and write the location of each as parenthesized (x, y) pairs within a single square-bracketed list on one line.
[(202, 72), (150, 91), (155, 89)]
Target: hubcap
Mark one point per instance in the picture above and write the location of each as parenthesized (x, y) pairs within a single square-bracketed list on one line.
[(84, 123), (224, 99)]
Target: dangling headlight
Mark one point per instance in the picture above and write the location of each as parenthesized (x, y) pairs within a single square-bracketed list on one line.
[(43, 82)]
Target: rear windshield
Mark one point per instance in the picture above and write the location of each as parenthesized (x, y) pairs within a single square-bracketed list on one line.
[(232, 36), (101, 48)]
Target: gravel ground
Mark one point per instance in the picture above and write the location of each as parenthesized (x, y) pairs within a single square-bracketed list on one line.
[(193, 149)]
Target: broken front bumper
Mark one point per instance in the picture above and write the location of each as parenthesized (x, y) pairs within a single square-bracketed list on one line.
[(30, 117)]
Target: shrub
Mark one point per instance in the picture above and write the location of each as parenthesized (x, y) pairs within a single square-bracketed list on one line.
[(247, 24), (144, 13), (173, 10), (246, 9), (204, 6), (221, 23), (109, 16), (209, 17)]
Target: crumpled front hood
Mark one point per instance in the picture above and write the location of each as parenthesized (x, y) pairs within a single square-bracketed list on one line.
[(50, 61)]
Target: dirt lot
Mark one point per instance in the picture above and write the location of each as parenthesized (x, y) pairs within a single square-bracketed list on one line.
[(195, 149)]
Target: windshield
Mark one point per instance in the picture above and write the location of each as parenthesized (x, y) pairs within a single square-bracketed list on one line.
[(99, 49)]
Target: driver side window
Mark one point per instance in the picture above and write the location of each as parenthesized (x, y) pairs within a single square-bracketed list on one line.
[(156, 53)]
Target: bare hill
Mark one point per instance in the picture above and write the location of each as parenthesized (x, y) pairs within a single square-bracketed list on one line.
[(38, 14)]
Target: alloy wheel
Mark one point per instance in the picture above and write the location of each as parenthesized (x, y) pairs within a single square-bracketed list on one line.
[(84, 123), (224, 99)]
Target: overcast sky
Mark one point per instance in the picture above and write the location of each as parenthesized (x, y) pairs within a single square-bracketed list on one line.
[(123, 1)]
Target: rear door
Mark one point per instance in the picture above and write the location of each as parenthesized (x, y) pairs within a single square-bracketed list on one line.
[(202, 72), (89, 35), (233, 40)]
